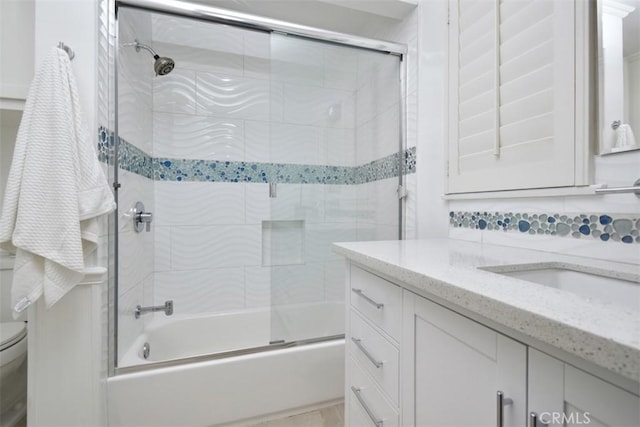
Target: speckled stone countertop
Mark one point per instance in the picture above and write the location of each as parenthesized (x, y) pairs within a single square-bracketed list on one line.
[(602, 333)]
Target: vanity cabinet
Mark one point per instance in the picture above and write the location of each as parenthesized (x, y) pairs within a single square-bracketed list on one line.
[(413, 362), (374, 327), (459, 367), (561, 395), (518, 95)]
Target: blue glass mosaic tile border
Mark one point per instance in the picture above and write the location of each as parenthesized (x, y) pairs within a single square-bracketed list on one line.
[(130, 157), (134, 160), (600, 227)]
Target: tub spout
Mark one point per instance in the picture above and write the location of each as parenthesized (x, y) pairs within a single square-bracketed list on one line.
[(167, 308)]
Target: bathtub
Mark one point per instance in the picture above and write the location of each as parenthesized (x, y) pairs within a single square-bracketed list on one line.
[(197, 373)]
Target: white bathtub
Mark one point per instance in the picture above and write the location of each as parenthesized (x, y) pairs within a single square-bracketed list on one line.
[(218, 391)]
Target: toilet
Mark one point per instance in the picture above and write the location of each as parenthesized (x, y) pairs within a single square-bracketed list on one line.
[(13, 356), (13, 372)]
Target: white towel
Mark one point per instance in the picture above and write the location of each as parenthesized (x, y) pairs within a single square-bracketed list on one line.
[(55, 191)]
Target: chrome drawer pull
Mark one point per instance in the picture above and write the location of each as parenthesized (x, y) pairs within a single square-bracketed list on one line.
[(378, 422), (534, 421), (366, 298), (358, 343), (501, 402)]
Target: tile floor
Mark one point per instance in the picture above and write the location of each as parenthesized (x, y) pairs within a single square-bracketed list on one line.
[(331, 416)]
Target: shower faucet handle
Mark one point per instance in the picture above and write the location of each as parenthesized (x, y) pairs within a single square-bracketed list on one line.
[(141, 219)]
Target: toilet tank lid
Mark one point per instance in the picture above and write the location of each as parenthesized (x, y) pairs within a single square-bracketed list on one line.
[(11, 332)]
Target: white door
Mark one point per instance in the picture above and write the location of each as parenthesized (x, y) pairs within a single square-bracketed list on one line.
[(561, 395), (459, 367)]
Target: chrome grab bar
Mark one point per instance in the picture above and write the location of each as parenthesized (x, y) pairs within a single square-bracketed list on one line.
[(619, 190), (366, 298), (167, 308), (377, 421), (358, 343)]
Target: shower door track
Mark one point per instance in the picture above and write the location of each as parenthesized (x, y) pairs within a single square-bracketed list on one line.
[(223, 16), (223, 355)]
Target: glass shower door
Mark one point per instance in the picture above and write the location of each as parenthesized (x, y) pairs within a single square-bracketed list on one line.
[(334, 141)]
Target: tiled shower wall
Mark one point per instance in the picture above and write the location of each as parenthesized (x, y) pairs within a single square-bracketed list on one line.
[(248, 96)]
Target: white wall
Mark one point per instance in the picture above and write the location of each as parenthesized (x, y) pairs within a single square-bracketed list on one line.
[(66, 369)]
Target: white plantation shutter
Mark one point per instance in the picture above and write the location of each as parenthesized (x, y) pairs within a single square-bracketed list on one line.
[(512, 91)]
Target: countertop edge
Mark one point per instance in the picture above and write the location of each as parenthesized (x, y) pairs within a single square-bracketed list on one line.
[(601, 351)]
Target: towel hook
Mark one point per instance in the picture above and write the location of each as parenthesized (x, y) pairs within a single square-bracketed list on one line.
[(67, 49)]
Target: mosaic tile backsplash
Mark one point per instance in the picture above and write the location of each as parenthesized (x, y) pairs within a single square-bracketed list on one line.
[(134, 160), (601, 227)]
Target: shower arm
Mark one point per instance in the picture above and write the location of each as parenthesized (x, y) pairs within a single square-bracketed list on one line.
[(139, 46)]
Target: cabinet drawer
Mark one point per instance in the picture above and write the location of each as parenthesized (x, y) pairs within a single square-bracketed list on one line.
[(365, 395), (375, 355), (379, 300)]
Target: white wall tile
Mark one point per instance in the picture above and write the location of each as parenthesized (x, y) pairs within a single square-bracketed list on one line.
[(257, 287), (310, 105), (297, 144), (297, 284), (297, 61), (257, 141), (201, 291), (257, 55), (341, 202), (199, 203), (387, 205), (202, 59), (340, 67), (129, 328), (319, 237), (197, 137), (379, 137), (135, 258), (234, 97), (175, 92), (202, 247), (260, 207), (334, 281), (162, 248), (312, 201), (198, 34), (282, 243), (340, 144)]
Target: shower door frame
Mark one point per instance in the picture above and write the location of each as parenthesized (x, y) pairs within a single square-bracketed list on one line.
[(212, 14)]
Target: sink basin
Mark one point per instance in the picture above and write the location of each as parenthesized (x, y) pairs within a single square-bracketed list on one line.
[(595, 286)]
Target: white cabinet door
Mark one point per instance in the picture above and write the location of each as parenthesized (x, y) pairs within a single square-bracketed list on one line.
[(561, 395), (511, 95), (459, 366), (16, 47)]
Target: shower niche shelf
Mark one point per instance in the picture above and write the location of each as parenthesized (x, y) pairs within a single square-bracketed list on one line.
[(282, 243)]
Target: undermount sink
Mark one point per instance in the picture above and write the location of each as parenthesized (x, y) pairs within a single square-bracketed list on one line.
[(595, 285)]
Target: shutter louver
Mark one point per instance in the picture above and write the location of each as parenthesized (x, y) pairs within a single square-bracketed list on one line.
[(530, 143)]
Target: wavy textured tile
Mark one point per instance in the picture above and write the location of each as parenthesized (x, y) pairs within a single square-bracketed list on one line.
[(257, 54), (206, 138), (231, 96), (199, 247), (198, 34), (175, 92), (201, 291), (202, 59), (198, 203), (317, 106)]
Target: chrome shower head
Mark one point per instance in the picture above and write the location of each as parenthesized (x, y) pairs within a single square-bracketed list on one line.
[(162, 66)]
